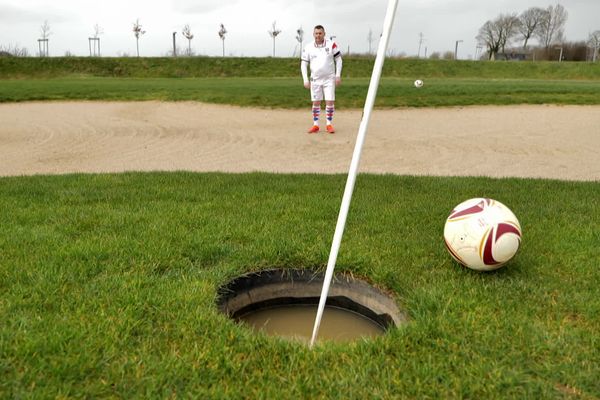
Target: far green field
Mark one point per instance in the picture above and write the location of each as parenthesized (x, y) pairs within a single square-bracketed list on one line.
[(276, 83), (248, 67), (289, 92)]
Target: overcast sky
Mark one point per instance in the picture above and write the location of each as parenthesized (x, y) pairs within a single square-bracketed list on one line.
[(248, 22)]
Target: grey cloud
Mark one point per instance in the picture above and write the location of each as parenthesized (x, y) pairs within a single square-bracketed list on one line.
[(202, 6), (15, 15)]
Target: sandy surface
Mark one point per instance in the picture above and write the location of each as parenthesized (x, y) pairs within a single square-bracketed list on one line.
[(560, 142)]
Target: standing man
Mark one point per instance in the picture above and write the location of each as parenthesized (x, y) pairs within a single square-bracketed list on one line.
[(325, 62)]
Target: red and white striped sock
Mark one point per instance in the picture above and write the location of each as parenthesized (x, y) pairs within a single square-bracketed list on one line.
[(329, 110), (316, 111)]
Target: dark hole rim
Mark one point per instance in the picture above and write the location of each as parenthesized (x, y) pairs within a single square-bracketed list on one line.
[(239, 291)]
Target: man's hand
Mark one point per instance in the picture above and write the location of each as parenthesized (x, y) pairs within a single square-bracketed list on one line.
[(307, 85), (338, 81)]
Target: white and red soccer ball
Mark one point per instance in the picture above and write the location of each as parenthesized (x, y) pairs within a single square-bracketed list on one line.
[(482, 234)]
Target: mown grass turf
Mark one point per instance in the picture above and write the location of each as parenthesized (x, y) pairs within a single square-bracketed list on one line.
[(108, 285), (267, 67), (289, 92), (276, 82)]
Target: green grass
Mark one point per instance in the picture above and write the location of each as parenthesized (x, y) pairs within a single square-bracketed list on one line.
[(276, 82), (289, 92), (108, 285), (108, 282), (217, 67)]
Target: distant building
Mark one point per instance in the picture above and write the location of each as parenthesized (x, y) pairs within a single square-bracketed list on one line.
[(512, 56)]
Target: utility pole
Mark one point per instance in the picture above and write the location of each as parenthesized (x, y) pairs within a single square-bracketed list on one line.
[(561, 53), (174, 45), (421, 40), (456, 49), (478, 49)]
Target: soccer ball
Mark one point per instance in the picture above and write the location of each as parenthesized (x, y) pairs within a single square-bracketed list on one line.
[(418, 83), (482, 234)]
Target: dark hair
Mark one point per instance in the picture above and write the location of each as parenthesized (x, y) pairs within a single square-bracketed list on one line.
[(319, 27)]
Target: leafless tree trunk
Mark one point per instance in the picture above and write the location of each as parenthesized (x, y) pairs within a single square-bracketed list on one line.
[(552, 26), (594, 43), (300, 39), (490, 38), (43, 42), (187, 33), (94, 41), (273, 33), (137, 31), (496, 34), (509, 24), (370, 39), (222, 33), (529, 23), (421, 40)]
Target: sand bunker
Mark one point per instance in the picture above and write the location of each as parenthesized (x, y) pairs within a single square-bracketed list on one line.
[(561, 142)]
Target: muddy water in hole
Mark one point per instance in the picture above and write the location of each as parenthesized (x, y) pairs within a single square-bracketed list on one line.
[(297, 321)]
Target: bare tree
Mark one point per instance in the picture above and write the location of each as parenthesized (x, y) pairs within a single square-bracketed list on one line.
[(45, 30), (13, 51), (98, 30), (490, 37), (496, 34), (274, 32), (187, 33), (594, 43), (222, 33), (509, 28), (300, 39), (43, 41), (137, 31), (421, 41), (552, 26), (95, 40), (370, 39), (530, 20)]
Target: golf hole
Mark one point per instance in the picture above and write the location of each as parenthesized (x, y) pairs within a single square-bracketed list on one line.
[(284, 303)]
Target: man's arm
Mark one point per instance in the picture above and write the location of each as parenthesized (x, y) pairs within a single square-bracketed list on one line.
[(338, 69), (304, 69)]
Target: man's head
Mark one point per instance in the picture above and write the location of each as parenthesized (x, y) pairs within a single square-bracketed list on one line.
[(319, 34)]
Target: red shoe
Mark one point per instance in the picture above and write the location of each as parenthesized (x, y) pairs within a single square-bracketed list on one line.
[(330, 129), (314, 129)]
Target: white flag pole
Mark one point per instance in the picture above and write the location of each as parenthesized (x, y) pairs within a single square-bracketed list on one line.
[(362, 132)]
